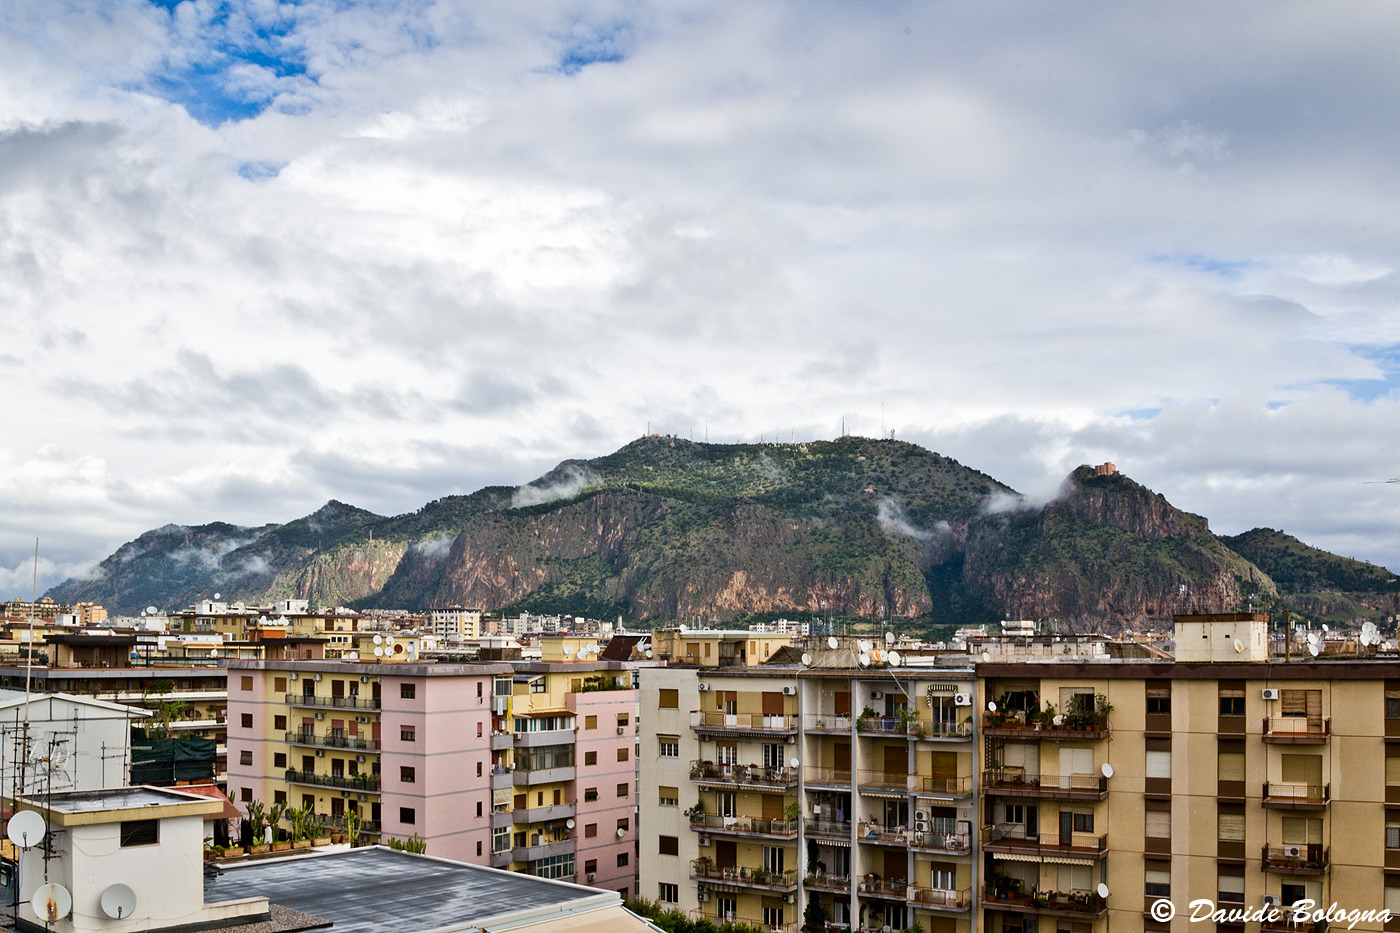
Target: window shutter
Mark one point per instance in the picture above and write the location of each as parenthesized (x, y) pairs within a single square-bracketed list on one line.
[(1159, 764)]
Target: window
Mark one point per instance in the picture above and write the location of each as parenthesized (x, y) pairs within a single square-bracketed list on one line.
[(407, 775), (1157, 883), (407, 815), (772, 755), (1230, 827), (622, 860), (622, 753), (538, 685), (245, 757), (1159, 764), (245, 683), (140, 832), (478, 842), (622, 790), (590, 722), (279, 796), (671, 797), (245, 794), (773, 859), (408, 691), (668, 893), (406, 733), (478, 809), (1082, 822), (727, 908), (1231, 702), (1392, 704), (590, 758), (668, 699), (1157, 824), (624, 824), (247, 720), (590, 830), (590, 794), (1159, 701), (478, 769), (773, 918), (669, 845), (622, 719), (555, 866), (1230, 766), (279, 760), (668, 746), (500, 838), (279, 723), (1392, 829), (279, 684), (1230, 889)]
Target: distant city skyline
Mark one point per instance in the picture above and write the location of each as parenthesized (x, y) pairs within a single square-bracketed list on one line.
[(255, 258)]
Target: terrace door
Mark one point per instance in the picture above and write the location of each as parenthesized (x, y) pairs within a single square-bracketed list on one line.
[(726, 853), (896, 762)]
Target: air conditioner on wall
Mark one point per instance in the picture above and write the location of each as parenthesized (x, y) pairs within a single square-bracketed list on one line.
[(592, 876), (320, 715), (1271, 693), (294, 675), (789, 691), (359, 757), (316, 677), (621, 730), (702, 896), (320, 753), (877, 694), (787, 898), (1293, 851), (703, 841), (703, 688), (962, 699)]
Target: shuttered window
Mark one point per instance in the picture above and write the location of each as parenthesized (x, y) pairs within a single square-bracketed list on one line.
[(1231, 766), (1231, 827), (1392, 900), (1392, 770), (1157, 824), (1294, 703), (1302, 769), (1159, 764), (1076, 761)]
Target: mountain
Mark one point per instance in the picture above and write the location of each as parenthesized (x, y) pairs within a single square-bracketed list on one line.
[(1324, 586), (667, 529)]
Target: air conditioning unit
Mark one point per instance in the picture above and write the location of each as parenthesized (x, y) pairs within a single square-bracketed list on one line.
[(316, 677), (962, 699), (592, 876), (877, 694), (364, 679), (359, 757), (702, 841), (921, 826), (345, 793), (789, 691), (1271, 693), (1270, 900), (621, 730), (920, 816), (294, 675), (1293, 851), (320, 715), (703, 688), (791, 739), (320, 753), (787, 898), (702, 896)]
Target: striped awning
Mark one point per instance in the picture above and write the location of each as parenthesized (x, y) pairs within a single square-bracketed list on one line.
[(839, 843), (1047, 859)]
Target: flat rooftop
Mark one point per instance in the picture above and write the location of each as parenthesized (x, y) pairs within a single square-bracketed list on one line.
[(114, 798), (375, 888)]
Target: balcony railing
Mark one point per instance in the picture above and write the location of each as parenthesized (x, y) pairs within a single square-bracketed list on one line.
[(872, 832), (940, 787), (821, 881), (360, 782), (1014, 725), (1295, 859), (303, 699), (829, 776), (836, 723), (717, 918), (707, 772), (883, 780), (940, 899), (1296, 796), (743, 825), (1012, 838), (940, 729), (954, 843), (1080, 904), (894, 889), (1285, 923), (358, 743), (711, 720), (704, 870), (1297, 730), (829, 828), (1013, 782), (340, 824)]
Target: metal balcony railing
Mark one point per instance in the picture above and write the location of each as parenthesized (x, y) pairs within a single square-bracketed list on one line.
[(711, 720), (328, 740), (303, 699), (751, 775), (742, 825), (358, 782)]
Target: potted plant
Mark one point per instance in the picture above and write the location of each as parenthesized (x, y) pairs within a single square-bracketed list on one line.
[(863, 721), (320, 831)]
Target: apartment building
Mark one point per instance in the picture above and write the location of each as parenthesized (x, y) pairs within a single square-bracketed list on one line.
[(824, 792), (520, 765)]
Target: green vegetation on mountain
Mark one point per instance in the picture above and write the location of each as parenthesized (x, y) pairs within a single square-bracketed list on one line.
[(1322, 585)]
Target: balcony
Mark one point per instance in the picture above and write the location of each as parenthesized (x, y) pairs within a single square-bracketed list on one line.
[(354, 743), (761, 879), (1284, 923), (1012, 839), (832, 884), (883, 783), (561, 811), (718, 722), (826, 829), (828, 777), (541, 739), (831, 723), (542, 849), (940, 843), (303, 699), (1013, 725), (715, 824), (753, 777), (889, 889), (1297, 730), (939, 899), (501, 779), (358, 782), (502, 859), (938, 730), (1012, 782), (1296, 796), (1295, 860), (940, 787), (1080, 905), (523, 778), (875, 834), (717, 919), (881, 725)]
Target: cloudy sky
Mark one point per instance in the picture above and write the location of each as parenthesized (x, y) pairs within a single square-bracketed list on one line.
[(254, 255)]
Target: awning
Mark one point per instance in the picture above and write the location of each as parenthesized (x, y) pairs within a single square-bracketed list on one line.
[(839, 843), (1047, 859)]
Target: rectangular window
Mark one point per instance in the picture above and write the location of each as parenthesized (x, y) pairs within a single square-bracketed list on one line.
[(245, 757), (1231, 702), (1082, 822), (1159, 700), (407, 775), (668, 796), (245, 794), (279, 796), (668, 746), (500, 838), (622, 860), (408, 691), (668, 699), (590, 830), (1230, 766), (590, 722), (590, 758), (279, 684), (538, 685), (1159, 764), (622, 719), (1157, 824), (590, 794), (1392, 704), (140, 833), (407, 815), (1230, 827), (669, 845), (279, 723), (245, 683), (279, 759), (1157, 883), (622, 790), (1230, 889), (668, 893), (622, 753), (407, 734), (247, 720), (624, 824)]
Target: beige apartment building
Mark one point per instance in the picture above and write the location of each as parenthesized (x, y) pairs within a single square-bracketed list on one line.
[(1066, 795)]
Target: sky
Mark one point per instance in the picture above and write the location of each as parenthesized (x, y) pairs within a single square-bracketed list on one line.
[(259, 255)]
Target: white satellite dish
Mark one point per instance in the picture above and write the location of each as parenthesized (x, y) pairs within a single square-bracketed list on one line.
[(991, 706), (806, 660), (568, 650), (1314, 650), (864, 645), (1107, 771), (864, 659), (1324, 628), (152, 610), (388, 639), (569, 824), (1313, 640), (27, 828), (1103, 890), (793, 762), (51, 902), (379, 639), (621, 833), (986, 656), (1058, 720), (378, 651), (118, 901), (213, 652), (889, 638), (1239, 646), (895, 659), (648, 652), (218, 596), (831, 642)]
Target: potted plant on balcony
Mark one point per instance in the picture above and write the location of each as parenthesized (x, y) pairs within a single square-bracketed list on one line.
[(696, 814), (866, 717), (257, 825)]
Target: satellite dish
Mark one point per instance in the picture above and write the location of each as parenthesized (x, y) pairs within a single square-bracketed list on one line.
[(864, 645), (379, 639), (118, 901), (876, 655), (894, 658), (51, 902), (991, 706), (152, 610), (27, 828), (831, 642), (621, 833), (1314, 650), (793, 762), (388, 639), (218, 595), (648, 652), (1324, 628), (569, 650), (864, 659), (889, 638), (1058, 720), (378, 651), (806, 659), (1103, 890), (1239, 646), (569, 823), (986, 656), (1313, 640), (213, 652), (1107, 771)]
